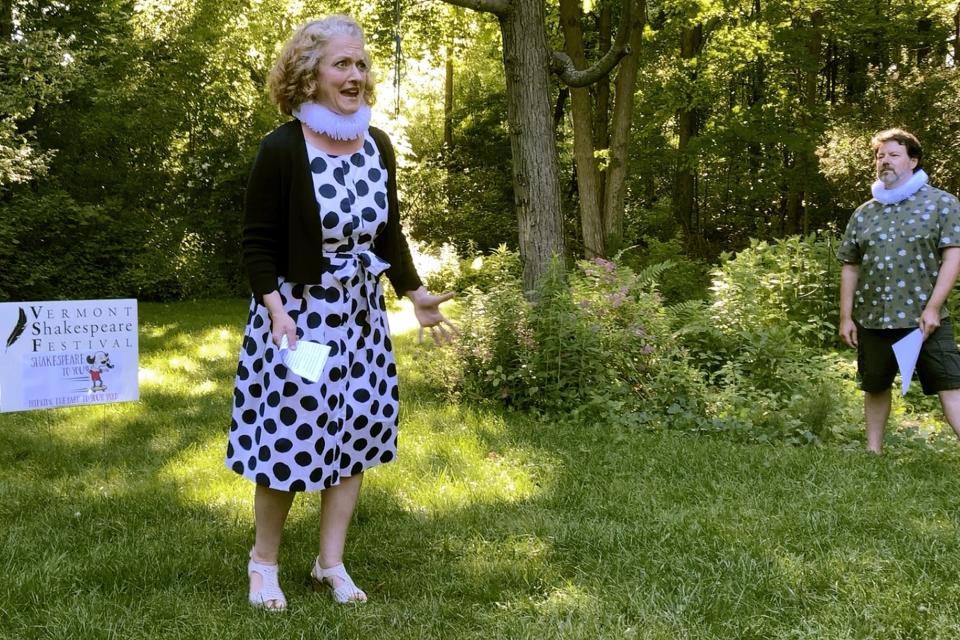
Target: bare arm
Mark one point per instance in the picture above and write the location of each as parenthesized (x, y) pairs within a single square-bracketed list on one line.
[(949, 269), (849, 276)]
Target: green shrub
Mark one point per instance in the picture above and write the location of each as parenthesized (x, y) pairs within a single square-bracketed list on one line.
[(794, 280), (686, 279), (761, 340), (599, 344), (54, 247), (482, 272), (493, 330), (596, 341)]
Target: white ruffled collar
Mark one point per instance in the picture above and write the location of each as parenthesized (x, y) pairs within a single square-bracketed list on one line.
[(323, 120), (904, 191)]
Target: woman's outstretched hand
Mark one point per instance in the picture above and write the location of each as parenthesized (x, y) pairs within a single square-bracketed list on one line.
[(426, 307)]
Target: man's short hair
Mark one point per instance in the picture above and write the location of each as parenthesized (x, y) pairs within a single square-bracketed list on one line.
[(904, 137)]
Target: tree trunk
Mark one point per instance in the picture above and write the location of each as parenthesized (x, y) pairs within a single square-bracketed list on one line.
[(806, 160), (925, 46), (6, 20), (856, 72), (560, 107), (448, 101), (616, 174), (526, 60), (833, 70), (956, 38), (591, 220), (601, 111), (684, 192), (529, 64)]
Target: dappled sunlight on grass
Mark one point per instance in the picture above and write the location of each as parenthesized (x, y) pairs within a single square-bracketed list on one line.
[(151, 377), (179, 362), (157, 332), (206, 387), (199, 475), (937, 525), (218, 343), (569, 599), (445, 464), (91, 426)]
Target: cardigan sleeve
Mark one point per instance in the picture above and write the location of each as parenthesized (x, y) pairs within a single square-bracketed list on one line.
[(263, 221), (391, 244)]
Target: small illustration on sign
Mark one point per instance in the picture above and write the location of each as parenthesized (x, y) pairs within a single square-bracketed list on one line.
[(18, 329), (98, 362)]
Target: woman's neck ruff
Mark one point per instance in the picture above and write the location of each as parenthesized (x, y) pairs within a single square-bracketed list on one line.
[(324, 121), (904, 191)]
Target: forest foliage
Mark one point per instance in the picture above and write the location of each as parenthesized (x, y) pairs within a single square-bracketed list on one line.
[(127, 127)]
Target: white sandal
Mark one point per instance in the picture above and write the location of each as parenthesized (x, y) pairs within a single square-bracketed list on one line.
[(346, 592), (269, 590)]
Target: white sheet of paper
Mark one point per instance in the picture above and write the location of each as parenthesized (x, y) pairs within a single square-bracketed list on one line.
[(907, 350), (307, 360)]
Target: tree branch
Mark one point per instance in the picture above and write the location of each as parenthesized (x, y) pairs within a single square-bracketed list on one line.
[(563, 66), (499, 8)]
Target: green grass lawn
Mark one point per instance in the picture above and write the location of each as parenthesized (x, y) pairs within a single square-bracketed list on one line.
[(120, 521)]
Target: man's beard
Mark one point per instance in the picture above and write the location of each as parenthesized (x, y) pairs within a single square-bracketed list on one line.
[(888, 176)]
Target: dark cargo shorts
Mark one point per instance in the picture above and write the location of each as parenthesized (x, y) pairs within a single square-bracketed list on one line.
[(938, 366)]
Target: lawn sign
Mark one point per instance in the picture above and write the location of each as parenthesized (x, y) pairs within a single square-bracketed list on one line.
[(63, 353)]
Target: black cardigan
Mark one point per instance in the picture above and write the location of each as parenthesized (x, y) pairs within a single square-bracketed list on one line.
[(282, 232)]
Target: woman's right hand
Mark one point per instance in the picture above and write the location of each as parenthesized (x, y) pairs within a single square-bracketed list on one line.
[(281, 324)]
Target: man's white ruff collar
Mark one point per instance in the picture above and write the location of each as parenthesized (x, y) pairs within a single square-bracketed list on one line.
[(904, 191), (322, 120)]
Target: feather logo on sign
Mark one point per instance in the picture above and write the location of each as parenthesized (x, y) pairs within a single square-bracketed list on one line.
[(18, 329)]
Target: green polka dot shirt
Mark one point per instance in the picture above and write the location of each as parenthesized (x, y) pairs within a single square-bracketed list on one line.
[(898, 249)]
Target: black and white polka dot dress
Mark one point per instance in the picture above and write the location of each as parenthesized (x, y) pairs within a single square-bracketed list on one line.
[(294, 435)]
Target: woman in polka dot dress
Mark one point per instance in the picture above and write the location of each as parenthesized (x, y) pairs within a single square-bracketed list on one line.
[(321, 224)]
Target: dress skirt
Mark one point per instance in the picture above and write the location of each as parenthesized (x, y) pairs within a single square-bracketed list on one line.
[(286, 432)]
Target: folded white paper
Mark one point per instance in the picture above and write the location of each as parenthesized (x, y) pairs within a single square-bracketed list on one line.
[(907, 350), (307, 360)]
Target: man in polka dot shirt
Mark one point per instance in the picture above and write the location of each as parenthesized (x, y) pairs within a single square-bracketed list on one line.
[(901, 258)]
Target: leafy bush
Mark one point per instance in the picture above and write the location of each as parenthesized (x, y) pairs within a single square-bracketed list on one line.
[(596, 341), (483, 272), (761, 338), (599, 344), (489, 349), (686, 279), (54, 247), (789, 285)]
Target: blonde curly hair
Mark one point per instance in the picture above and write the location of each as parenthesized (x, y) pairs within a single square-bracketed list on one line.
[(293, 78)]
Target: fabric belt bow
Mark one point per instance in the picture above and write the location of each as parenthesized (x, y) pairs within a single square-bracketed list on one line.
[(344, 266)]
